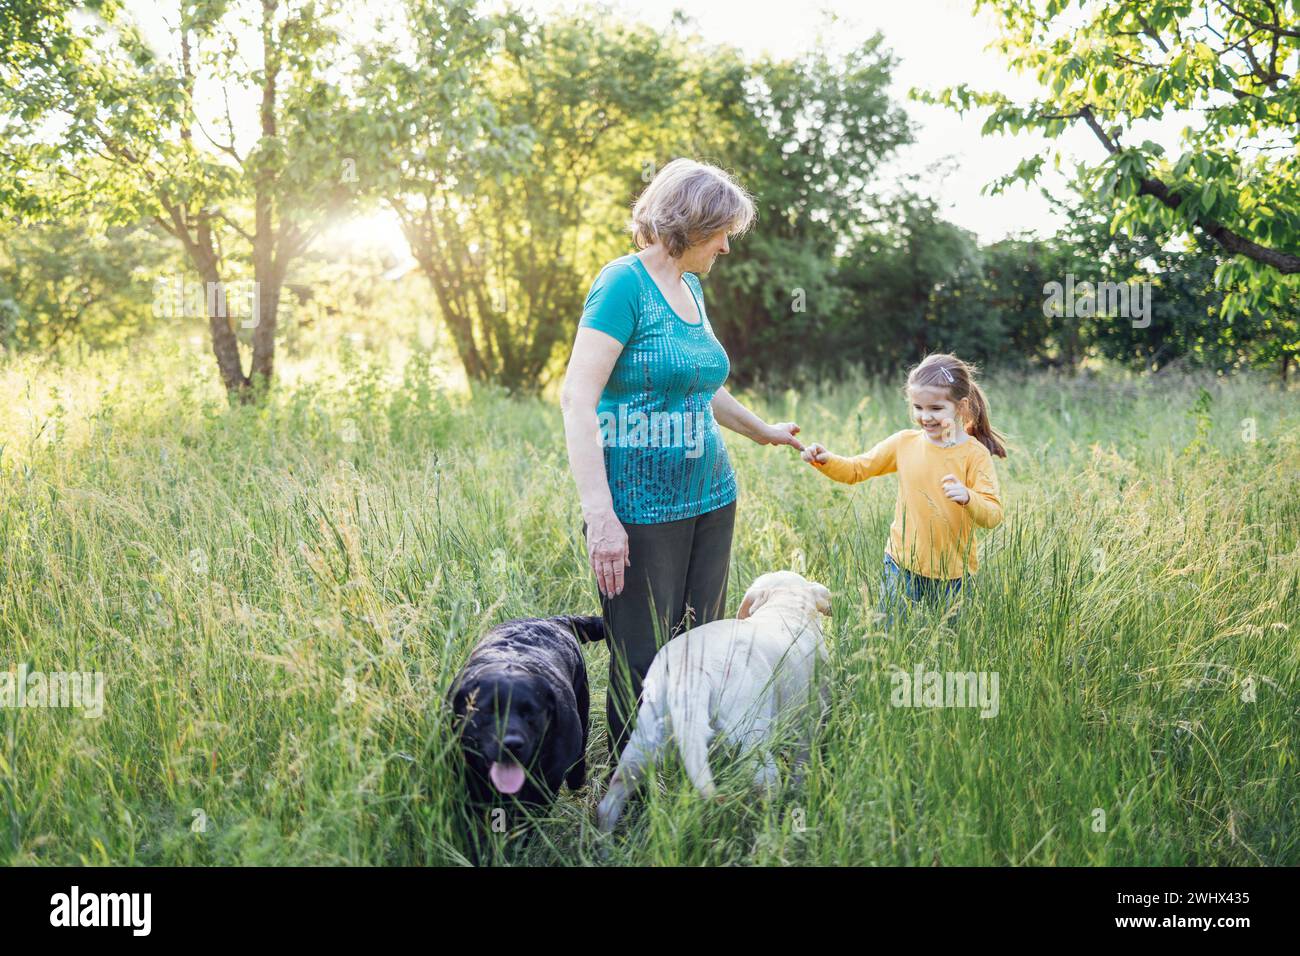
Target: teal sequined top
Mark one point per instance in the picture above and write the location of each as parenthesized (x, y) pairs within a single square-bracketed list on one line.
[(664, 455)]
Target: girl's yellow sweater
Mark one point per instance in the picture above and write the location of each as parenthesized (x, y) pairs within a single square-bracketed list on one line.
[(931, 535)]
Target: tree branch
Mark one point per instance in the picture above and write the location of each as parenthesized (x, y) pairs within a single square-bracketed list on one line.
[(1230, 241), (218, 214), (1275, 27)]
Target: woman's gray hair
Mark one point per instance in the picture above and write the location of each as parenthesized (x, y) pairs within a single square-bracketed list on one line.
[(686, 203)]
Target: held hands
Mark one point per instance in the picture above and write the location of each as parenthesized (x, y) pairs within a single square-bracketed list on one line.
[(955, 490), (815, 454)]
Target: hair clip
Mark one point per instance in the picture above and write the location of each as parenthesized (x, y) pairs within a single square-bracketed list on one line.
[(946, 374)]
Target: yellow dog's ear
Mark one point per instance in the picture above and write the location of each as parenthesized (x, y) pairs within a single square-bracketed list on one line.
[(753, 600), (823, 598)]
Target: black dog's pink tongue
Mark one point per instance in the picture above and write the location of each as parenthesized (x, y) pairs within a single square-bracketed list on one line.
[(506, 777)]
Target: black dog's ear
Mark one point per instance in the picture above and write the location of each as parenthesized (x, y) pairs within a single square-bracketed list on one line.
[(456, 696), (563, 744)]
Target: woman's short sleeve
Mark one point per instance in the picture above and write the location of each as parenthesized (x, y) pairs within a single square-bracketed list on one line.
[(611, 304)]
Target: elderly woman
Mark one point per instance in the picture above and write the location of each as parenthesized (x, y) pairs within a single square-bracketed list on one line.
[(642, 402)]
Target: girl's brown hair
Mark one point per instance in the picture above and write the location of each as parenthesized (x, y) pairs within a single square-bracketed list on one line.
[(940, 370)]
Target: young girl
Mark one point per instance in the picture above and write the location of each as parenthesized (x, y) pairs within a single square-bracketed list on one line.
[(946, 483)]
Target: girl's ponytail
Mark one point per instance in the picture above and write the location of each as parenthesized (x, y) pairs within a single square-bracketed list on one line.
[(958, 379), (982, 428)]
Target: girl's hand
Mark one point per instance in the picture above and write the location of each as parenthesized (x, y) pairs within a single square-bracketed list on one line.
[(815, 454), (782, 433), (955, 490)]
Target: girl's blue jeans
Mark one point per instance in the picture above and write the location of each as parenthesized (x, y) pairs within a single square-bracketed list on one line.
[(901, 588)]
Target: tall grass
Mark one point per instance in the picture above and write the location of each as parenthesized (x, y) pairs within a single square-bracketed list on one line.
[(279, 597)]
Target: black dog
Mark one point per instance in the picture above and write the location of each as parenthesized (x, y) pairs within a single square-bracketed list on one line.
[(521, 703)]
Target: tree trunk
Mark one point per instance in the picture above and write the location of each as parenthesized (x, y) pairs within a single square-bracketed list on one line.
[(459, 325), (225, 346), (201, 247), (267, 271), (268, 309)]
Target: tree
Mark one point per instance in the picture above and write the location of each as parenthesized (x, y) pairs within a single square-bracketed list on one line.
[(110, 120), (59, 281), (913, 276), (807, 137), (1014, 274), (1236, 181), (510, 188)]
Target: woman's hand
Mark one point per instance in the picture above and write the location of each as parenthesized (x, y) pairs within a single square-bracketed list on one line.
[(729, 413), (954, 489), (608, 552), (782, 433), (815, 454)]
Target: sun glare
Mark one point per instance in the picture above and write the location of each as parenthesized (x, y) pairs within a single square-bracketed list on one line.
[(380, 229)]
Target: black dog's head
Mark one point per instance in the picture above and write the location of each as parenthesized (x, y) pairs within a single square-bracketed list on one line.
[(504, 715)]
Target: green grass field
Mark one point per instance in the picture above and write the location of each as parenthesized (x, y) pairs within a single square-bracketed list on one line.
[(279, 597)]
